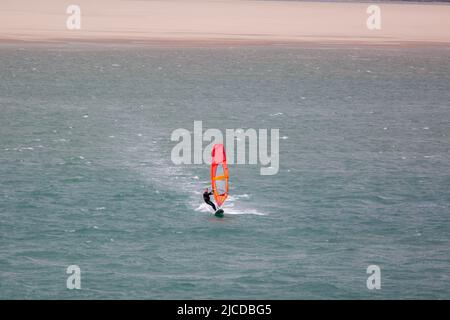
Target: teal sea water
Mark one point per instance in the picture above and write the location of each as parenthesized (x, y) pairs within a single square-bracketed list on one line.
[(86, 176)]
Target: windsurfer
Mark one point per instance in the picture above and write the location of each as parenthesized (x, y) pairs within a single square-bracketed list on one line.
[(206, 195)]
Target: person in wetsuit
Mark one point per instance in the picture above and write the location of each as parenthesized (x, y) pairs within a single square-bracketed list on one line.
[(206, 195)]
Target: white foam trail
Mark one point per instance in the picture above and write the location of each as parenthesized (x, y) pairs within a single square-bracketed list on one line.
[(232, 206), (229, 209), (232, 198), (204, 208), (237, 212)]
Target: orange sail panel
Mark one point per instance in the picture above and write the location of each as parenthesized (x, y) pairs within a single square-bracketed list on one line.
[(219, 174)]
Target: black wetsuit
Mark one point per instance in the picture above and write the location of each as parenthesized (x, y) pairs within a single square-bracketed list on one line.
[(206, 198)]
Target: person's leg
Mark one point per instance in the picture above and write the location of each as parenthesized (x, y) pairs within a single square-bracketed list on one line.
[(211, 204)]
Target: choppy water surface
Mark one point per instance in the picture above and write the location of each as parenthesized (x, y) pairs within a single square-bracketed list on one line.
[(86, 176)]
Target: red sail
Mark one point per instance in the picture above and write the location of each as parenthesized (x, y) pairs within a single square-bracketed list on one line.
[(219, 174)]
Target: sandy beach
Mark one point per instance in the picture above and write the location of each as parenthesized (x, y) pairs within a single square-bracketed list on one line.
[(224, 22)]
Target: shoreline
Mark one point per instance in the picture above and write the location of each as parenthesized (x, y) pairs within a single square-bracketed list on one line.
[(234, 23), (230, 43)]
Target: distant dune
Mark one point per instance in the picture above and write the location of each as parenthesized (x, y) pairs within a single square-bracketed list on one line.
[(185, 22)]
